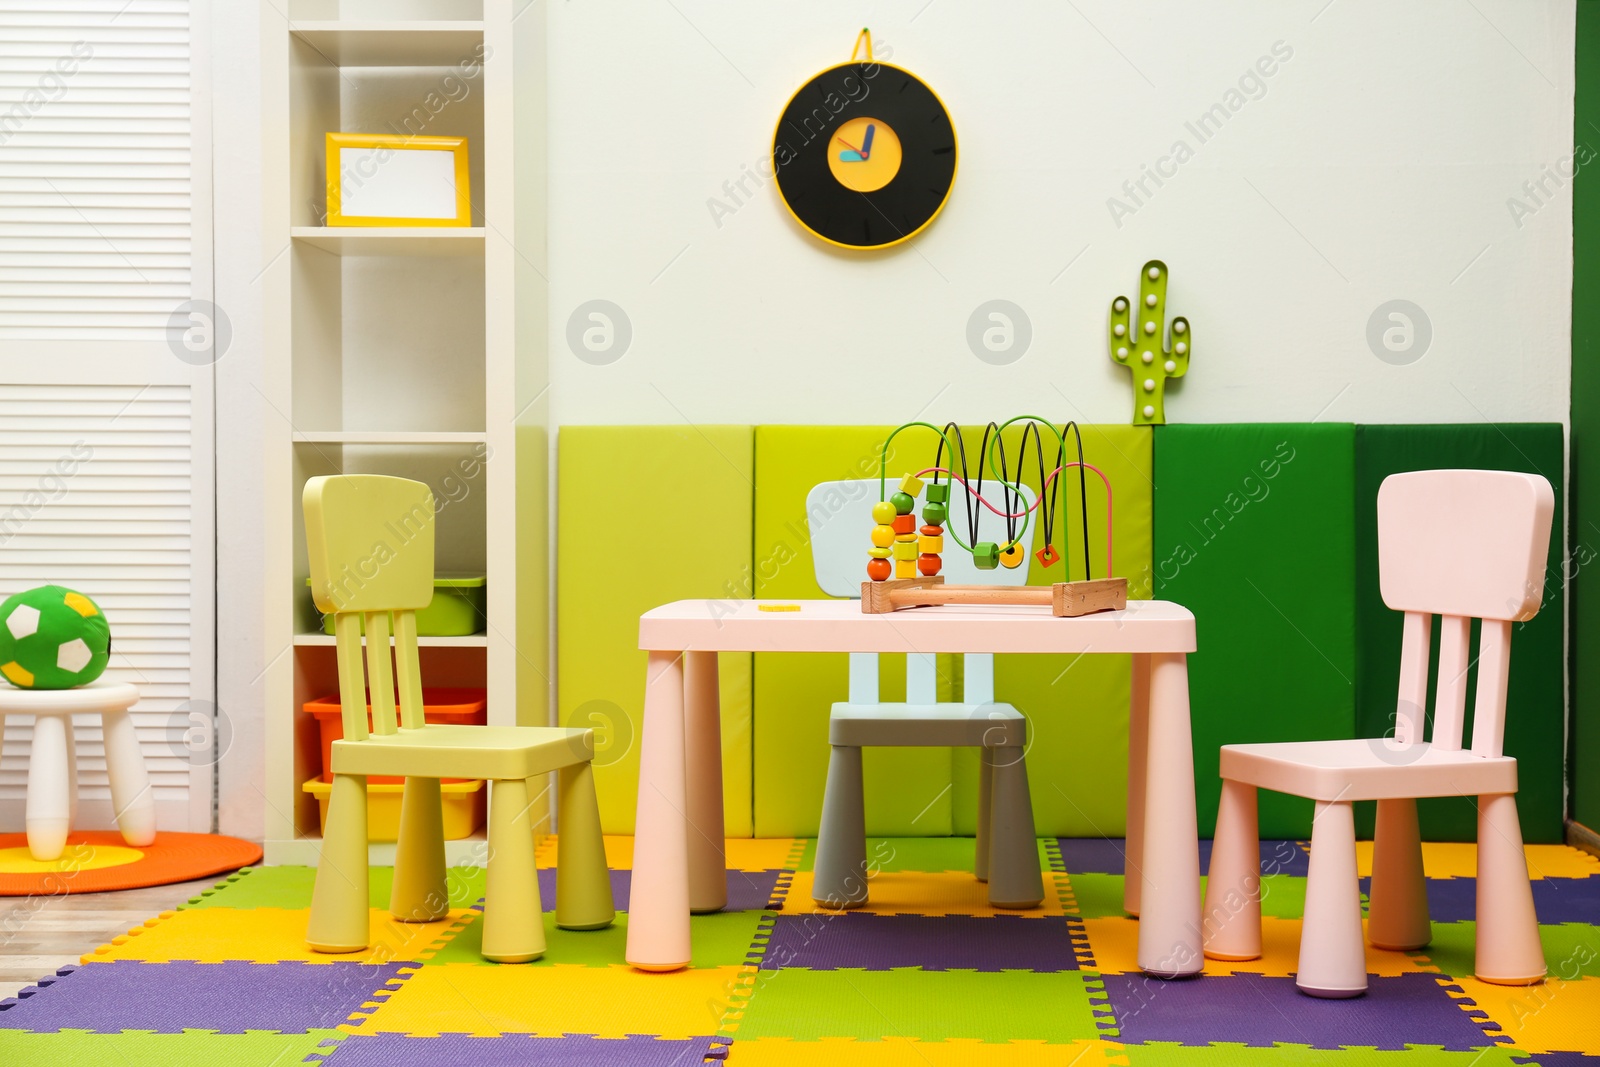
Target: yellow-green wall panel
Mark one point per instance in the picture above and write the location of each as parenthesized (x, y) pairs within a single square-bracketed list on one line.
[(647, 515)]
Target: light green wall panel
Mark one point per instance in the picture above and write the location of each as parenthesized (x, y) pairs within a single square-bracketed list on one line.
[(1077, 761), (619, 554)]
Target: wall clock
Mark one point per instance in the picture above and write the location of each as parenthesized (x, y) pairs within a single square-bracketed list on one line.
[(865, 153)]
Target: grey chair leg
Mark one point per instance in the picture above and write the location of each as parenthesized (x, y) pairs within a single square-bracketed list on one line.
[(1014, 878), (840, 879), (980, 856)]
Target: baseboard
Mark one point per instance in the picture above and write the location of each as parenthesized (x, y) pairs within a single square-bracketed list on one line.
[(1580, 836)]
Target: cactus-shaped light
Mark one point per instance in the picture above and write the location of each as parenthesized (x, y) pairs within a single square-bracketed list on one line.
[(1139, 341)]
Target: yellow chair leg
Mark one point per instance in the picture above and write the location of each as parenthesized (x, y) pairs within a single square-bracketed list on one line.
[(419, 893), (513, 926), (339, 900), (583, 885)]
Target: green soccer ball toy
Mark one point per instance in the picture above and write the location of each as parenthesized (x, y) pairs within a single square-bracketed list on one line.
[(52, 638)]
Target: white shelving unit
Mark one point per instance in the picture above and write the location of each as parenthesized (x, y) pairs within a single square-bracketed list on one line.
[(413, 351)]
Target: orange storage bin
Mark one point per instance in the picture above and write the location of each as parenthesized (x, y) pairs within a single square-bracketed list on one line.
[(459, 707)]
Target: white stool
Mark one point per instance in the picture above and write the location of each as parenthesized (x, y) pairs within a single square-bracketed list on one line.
[(53, 770)]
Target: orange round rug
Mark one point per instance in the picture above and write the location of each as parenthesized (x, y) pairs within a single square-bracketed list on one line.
[(99, 860)]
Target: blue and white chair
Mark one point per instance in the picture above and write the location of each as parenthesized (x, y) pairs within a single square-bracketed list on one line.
[(839, 515)]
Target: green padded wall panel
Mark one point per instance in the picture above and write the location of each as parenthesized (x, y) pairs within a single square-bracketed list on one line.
[(1582, 569), (1534, 702), (619, 556), (1255, 533), (1077, 765)]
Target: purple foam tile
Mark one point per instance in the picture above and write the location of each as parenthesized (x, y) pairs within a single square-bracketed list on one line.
[(1555, 900), (1254, 1009), (1557, 1059), (1105, 855), (518, 1050), (945, 943), (747, 890), (231, 998)]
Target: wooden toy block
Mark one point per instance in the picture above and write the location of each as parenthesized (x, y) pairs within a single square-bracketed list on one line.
[(1065, 599), (911, 485)]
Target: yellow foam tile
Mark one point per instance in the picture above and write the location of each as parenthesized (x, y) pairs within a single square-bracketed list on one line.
[(922, 893), (1114, 943), (1555, 1016), (553, 1001), (1459, 859), (906, 1052), (266, 935), (743, 853)]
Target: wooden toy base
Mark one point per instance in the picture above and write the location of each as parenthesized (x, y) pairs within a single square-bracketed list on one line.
[(1066, 599)]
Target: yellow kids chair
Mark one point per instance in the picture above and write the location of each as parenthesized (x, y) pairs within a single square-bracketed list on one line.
[(370, 542)]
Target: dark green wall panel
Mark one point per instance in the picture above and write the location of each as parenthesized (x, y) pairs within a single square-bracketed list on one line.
[(1584, 567), (1534, 703), (1254, 533)]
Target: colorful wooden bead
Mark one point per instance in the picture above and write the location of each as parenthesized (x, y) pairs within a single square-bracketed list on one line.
[(904, 524), (928, 564), (883, 536), (880, 553), (879, 569), (911, 485), (883, 512), (1012, 556), (1048, 556), (905, 550), (986, 555), (934, 514), (938, 493), (931, 530), (903, 503), (905, 568), (931, 543)]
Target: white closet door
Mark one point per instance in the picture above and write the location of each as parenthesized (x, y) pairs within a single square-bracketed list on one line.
[(106, 351)]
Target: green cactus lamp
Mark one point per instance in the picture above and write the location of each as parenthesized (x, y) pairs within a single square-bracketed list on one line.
[(1138, 336)]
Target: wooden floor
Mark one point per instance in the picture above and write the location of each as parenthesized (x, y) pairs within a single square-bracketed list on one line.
[(39, 934)]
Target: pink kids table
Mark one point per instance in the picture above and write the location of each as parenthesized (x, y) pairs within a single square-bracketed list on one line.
[(678, 862)]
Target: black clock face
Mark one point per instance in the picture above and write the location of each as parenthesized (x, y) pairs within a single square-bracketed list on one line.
[(865, 155)]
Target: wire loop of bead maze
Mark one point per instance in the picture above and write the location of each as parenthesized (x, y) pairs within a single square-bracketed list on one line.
[(904, 561)]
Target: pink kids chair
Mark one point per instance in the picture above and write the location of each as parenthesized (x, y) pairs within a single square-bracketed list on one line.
[(1461, 544)]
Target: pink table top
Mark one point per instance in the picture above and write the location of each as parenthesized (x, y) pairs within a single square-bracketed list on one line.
[(841, 626)]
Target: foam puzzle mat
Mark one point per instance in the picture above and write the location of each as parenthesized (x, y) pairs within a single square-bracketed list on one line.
[(926, 974)]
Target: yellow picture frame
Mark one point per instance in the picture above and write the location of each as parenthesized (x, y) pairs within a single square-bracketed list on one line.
[(382, 204)]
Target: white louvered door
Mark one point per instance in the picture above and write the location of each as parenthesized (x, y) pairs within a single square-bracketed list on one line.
[(106, 398)]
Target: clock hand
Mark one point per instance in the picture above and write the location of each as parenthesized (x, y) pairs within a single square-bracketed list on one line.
[(866, 142), (860, 155)]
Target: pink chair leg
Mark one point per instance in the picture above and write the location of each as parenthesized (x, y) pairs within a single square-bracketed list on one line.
[(1332, 951), (1232, 910), (1138, 755), (1397, 909), (1508, 931), (658, 920)]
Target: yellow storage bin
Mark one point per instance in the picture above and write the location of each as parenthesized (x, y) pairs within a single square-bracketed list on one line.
[(463, 808)]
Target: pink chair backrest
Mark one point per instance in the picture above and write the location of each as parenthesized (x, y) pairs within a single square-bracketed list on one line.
[(1461, 544)]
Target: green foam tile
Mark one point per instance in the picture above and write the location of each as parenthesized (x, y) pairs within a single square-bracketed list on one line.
[(1099, 896), (1535, 701), (1571, 950), (1255, 533), (699, 547), (290, 887), (924, 1005)]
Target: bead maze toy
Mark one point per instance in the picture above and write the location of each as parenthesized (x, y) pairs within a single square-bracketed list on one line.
[(1136, 343), (904, 561)]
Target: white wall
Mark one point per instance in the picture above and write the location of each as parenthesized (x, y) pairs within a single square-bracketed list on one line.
[(1376, 163)]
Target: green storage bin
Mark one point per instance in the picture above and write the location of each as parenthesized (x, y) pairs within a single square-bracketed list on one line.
[(457, 608)]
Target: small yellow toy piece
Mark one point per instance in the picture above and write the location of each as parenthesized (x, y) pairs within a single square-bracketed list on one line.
[(879, 553), (906, 549), (883, 536), (1012, 556), (933, 545), (911, 485), (777, 607), (905, 568)]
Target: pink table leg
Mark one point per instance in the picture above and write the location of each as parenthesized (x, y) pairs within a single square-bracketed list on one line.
[(708, 879), (1138, 756), (1169, 916), (658, 912)]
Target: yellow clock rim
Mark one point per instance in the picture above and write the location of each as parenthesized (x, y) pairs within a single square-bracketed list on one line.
[(955, 139)]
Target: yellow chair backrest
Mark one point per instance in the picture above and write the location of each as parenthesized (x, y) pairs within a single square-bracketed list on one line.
[(370, 543)]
